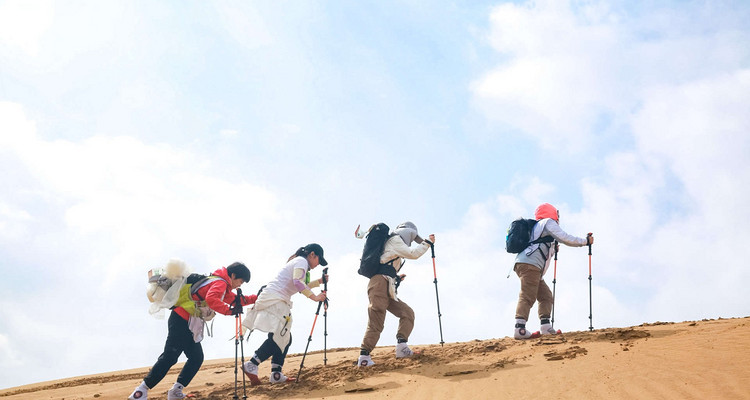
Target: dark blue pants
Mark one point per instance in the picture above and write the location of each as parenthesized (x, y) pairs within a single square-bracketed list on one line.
[(179, 340)]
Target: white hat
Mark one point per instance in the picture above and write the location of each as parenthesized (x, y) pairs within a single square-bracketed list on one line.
[(408, 232)]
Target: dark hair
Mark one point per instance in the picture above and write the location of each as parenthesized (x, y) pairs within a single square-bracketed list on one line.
[(301, 252), (239, 270), (312, 248)]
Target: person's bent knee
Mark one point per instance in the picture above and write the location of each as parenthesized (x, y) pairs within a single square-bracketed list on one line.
[(376, 309), (196, 358), (171, 353), (169, 358)]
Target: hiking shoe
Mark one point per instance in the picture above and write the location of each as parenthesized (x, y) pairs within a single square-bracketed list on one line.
[(279, 377), (365, 361), (251, 371), (547, 329), (176, 393), (522, 333), (403, 351), (140, 393)]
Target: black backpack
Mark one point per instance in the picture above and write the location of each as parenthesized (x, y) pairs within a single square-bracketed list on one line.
[(519, 236), (195, 278), (369, 264)]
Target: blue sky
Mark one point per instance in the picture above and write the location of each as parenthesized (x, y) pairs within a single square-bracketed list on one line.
[(133, 132)]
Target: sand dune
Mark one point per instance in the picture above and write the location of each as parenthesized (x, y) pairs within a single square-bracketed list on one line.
[(706, 359)]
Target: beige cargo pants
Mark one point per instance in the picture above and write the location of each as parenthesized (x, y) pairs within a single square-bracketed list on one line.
[(533, 289), (380, 302)]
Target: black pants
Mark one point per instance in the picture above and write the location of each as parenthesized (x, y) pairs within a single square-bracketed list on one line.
[(269, 348), (179, 340)]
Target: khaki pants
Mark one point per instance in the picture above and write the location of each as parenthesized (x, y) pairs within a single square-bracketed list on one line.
[(380, 302), (533, 288)]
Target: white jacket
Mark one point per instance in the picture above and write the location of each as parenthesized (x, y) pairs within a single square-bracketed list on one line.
[(395, 249), (541, 258)]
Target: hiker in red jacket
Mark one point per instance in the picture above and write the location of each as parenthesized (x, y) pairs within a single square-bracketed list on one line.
[(185, 330)]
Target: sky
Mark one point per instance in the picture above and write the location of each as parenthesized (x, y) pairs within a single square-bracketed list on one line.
[(132, 132)]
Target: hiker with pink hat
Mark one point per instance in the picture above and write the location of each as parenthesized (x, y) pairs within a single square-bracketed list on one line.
[(532, 262)]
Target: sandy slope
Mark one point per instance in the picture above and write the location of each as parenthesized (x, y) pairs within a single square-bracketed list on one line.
[(707, 359)]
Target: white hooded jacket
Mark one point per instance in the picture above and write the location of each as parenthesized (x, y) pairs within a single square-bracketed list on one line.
[(395, 249), (541, 258)]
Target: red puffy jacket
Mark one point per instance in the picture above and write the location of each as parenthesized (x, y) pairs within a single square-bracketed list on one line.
[(218, 295)]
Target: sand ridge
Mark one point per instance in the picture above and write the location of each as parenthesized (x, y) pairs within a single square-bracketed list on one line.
[(688, 360)]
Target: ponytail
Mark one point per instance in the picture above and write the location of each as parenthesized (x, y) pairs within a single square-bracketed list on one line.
[(301, 252)]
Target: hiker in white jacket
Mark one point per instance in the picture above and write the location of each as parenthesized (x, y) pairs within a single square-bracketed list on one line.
[(531, 265), (272, 312), (381, 292)]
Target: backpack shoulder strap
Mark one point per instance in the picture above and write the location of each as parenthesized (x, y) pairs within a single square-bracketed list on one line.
[(541, 239), (201, 283)]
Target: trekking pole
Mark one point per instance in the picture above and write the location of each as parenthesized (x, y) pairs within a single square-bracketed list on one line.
[(325, 318), (437, 297), (554, 283), (309, 338), (237, 311), (591, 321)]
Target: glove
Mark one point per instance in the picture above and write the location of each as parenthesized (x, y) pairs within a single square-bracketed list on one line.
[(235, 310)]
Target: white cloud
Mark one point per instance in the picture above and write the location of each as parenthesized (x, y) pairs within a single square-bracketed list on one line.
[(142, 196), (17, 129), (664, 213), (12, 221), (141, 96), (229, 132), (23, 23), (700, 129), (51, 37), (244, 24), (10, 355), (124, 206), (571, 72), (560, 74)]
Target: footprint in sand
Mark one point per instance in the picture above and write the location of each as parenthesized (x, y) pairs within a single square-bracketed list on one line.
[(571, 352)]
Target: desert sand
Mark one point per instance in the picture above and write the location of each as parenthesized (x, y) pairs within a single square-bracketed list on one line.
[(708, 359)]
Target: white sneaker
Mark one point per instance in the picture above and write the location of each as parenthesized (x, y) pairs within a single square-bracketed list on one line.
[(176, 392), (547, 329), (521, 332), (365, 361), (251, 371), (403, 351), (140, 393), (279, 377)]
